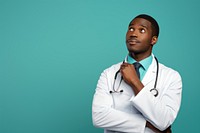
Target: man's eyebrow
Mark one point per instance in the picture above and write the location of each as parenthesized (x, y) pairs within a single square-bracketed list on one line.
[(144, 26)]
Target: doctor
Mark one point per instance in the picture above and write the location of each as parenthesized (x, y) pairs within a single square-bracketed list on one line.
[(138, 95)]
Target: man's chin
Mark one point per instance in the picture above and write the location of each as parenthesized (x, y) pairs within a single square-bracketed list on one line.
[(131, 51)]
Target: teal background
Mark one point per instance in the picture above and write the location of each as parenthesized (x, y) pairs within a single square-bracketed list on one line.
[(53, 51)]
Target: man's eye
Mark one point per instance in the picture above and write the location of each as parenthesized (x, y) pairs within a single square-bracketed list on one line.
[(142, 30), (131, 29)]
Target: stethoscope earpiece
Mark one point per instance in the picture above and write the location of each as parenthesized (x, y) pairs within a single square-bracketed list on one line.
[(116, 91)]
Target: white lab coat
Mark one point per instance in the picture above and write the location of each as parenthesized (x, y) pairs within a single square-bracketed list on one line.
[(125, 112)]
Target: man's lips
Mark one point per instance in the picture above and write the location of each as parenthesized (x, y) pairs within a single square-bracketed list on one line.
[(133, 41)]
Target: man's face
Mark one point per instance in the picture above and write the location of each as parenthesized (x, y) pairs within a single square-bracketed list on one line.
[(139, 39)]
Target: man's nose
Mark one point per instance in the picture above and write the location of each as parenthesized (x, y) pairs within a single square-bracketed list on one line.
[(133, 34)]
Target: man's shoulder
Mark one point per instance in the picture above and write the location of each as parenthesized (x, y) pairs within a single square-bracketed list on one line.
[(113, 68), (167, 69)]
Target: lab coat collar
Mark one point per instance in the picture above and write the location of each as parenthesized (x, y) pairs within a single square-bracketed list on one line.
[(151, 72)]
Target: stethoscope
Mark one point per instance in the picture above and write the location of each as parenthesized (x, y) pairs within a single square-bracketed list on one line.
[(154, 91)]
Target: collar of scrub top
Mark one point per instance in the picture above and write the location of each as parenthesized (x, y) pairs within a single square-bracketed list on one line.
[(145, 64)]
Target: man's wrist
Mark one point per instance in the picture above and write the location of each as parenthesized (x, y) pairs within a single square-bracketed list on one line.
[(137, 86)]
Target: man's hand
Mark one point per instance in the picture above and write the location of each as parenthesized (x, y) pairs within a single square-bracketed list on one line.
[(129, 75)]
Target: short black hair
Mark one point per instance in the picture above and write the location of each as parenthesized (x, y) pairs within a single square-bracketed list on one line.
[(154, 23)]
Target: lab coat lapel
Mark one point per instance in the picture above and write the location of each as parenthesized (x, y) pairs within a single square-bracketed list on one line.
[(150, 74)]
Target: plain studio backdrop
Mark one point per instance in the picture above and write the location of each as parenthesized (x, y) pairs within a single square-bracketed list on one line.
[(53, 51)]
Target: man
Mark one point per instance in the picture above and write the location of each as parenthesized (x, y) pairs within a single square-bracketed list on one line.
[(138, 95)]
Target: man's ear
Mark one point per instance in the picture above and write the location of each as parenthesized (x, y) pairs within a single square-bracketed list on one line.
[(154, 40)]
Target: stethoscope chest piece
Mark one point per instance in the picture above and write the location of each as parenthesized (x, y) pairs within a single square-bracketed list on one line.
[(154, 91)]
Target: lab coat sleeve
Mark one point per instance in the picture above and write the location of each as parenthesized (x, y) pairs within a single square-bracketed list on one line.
[(161, 111), (105, 116)]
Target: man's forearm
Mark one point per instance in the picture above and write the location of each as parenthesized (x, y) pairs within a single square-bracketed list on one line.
[(149, 125)]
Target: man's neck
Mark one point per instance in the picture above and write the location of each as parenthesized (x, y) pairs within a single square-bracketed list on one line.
[(139, 57)]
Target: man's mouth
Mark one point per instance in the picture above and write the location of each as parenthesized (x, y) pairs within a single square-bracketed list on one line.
[(133, 41)]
